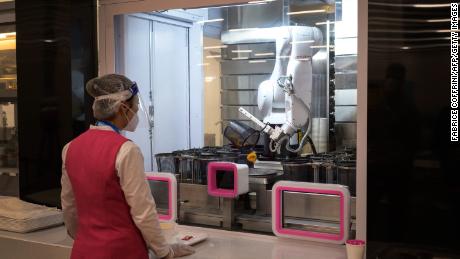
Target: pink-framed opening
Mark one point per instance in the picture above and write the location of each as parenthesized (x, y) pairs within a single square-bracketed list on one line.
[(294, 232), (213, 190), (169, 216)]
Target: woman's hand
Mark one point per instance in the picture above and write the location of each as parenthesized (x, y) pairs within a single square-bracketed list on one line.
[(180, 250)]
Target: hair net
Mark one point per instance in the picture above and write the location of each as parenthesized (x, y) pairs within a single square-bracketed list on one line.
[(109, 91)]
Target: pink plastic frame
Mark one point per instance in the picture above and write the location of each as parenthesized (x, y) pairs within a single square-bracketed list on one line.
[(283, 186), (169, 216), (213, 190)]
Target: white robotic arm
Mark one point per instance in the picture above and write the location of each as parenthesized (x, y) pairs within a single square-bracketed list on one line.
[(270, 98), (286, 98)]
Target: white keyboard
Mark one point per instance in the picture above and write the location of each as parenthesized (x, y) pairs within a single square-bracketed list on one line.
[(191, 238)]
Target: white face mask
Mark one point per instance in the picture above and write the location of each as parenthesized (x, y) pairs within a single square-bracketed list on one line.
[(132, 124)]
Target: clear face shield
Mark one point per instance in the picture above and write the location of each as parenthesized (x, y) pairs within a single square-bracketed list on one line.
[(142, 114), (137, 113)]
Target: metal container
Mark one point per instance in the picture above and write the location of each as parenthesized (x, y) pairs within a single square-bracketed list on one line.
[(200, 169), (241, 135), (324, 163), (327, 172), (298, 171), (228, 156), (346, 175), (167, 162), (315, 167), (186, 168), (253, 200)]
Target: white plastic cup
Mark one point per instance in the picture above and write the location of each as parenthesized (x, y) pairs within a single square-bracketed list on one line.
[(355, 249)]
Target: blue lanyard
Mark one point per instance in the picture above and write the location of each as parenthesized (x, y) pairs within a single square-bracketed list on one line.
[(107, 123)]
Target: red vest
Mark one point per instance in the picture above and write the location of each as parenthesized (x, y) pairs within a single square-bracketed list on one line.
[(105, 226)]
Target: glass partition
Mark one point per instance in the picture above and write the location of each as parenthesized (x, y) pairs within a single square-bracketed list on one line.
[(160, 191), (412, 168), (9, 180), (217, 78), (197, 67), (299, 213)]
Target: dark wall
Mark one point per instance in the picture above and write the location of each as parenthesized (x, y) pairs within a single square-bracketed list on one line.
[(56, 55), (413, 178)]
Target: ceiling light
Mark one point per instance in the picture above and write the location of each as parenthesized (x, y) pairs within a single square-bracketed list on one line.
[(324, 23), (321, 46), (7, 34), (213, 56), (407, 20), (302, 41), (258, 61), (216, 47), (209, 79), (430, 5), (257, 2), (264, 54), (242, 51), (447, 30), (406, 39), (438, 20), (244, 29), (240, 58), (212, 20), (405, 47), (261, 1), (203, 64), (411, 5), (413, 31), (307, 12), (235, 5)]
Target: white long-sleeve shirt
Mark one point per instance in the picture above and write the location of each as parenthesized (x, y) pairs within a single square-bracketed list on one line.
[(129, 165)]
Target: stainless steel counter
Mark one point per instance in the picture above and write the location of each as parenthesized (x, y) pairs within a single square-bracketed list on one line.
[(55, 244)]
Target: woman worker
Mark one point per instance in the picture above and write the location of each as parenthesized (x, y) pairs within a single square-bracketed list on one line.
[(108, 207)]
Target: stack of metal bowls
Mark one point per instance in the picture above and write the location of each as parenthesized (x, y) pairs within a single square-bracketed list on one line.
[(346, 174), (325, 167), (167, 162), (298, 170), (200, 167), (186, 161)]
